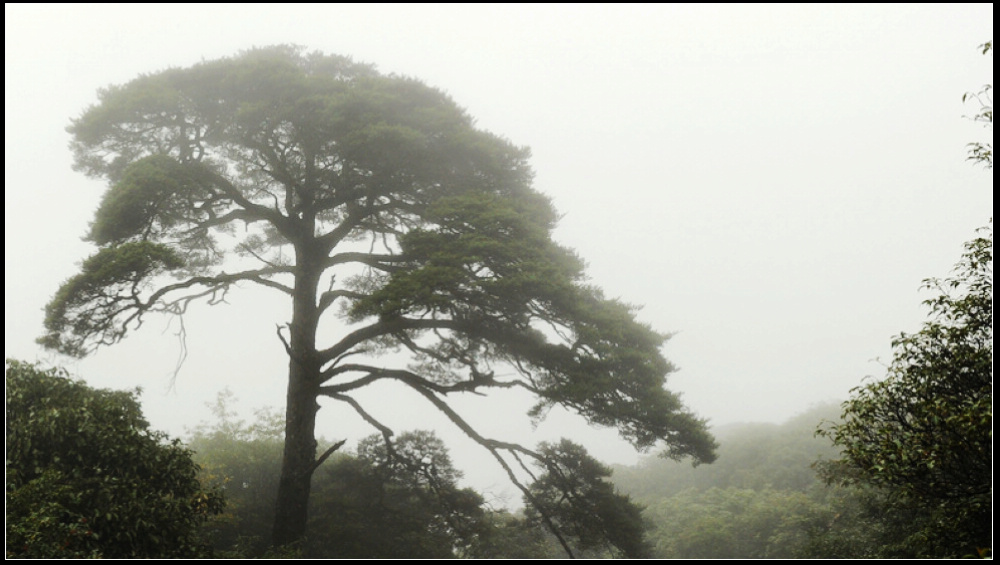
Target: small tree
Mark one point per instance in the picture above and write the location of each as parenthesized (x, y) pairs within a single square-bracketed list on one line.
[(578, 504), (244, 460), (925, 432), (400, 500), (86, 477), (979, 151)]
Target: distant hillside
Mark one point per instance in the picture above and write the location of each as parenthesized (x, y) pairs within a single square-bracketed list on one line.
[(760, 499), (753, 456)]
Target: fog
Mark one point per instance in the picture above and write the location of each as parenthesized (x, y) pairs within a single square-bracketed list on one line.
[(771, 183)]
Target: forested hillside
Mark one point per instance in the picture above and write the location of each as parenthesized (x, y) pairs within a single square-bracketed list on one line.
[(767, 497)]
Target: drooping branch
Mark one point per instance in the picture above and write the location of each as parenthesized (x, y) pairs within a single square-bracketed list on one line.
[(574, 477), (385, 430), (494, 447), (99, 305)]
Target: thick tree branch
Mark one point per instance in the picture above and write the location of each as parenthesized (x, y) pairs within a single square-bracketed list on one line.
[(385, 430), (329, 297), (376, 373), (326, 455), (373, 375), (255, 276), (382, 328), (374, 260), (282, 223)]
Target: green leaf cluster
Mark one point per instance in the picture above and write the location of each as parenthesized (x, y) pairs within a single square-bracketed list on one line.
[(488, 264), (736, 523), (575, 496), (96, 305), (155, 194), (925, 432), (86, 477), (398, 500)]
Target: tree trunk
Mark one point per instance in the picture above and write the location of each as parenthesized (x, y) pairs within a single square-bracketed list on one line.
[(292, 505), (298, 460)]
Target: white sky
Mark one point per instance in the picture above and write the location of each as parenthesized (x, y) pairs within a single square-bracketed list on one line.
[(771, 182)]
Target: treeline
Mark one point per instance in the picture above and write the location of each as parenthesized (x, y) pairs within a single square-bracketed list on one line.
[(86, 477), (402, 499), (902, 469), (762, 498)]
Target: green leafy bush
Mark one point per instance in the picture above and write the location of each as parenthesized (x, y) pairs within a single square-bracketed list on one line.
[(86, 477)]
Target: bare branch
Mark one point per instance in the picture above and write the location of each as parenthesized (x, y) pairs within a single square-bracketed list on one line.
[(284, 342), (223, 279), (382, 328), (326, 455), (386, 432)]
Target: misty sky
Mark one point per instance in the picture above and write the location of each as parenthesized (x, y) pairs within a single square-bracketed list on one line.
[(772, 183)]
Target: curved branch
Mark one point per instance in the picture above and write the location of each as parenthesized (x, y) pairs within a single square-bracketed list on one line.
[(385, 430), (326, 455), (381, 328), (376, 373), (493, 446), (244, 215), (282, 223), (272, 284), (224, 279), (332, 390)]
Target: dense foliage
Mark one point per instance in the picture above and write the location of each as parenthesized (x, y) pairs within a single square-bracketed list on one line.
[(925, 432), (86, 477), (575, 494), (320, 179), (763, 498), (400, 504)]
